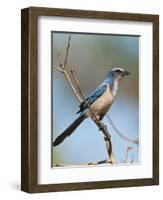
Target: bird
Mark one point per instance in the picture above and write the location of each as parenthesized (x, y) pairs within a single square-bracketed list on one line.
[(100, 101)]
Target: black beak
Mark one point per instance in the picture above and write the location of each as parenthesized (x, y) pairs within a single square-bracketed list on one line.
[(125, 73)]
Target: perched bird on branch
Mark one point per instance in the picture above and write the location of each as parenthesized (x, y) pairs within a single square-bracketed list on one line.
[(100, 101)]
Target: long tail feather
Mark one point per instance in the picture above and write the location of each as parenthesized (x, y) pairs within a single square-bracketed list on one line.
[(69, 130)]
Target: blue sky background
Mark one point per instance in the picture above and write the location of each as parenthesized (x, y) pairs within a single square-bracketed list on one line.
[(93, 56)]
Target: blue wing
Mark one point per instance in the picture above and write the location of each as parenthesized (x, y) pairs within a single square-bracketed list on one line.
[(93, 97)]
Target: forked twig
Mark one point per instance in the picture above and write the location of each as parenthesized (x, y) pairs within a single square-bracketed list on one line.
[(58, 68), (65, 72)]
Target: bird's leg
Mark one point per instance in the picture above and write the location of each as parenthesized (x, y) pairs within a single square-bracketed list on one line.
[(102, 126)]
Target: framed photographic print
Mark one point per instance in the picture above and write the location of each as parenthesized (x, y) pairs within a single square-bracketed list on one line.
[(90, 99)]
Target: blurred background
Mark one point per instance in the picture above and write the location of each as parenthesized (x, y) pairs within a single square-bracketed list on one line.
[(92, 56)]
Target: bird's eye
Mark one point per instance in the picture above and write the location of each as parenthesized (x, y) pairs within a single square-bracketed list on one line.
[(117, 70)]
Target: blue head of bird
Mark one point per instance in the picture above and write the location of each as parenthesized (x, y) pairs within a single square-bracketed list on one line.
[(116, 74)]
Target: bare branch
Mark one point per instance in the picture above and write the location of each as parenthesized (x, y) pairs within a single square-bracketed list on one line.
[(129, 148), (64, 71), (67, 51), (121, 134), (110, 151), (72, 86), (60, 61), (58, 68)]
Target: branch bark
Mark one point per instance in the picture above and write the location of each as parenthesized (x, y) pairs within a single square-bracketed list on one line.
[(65, 72), (67, 51)]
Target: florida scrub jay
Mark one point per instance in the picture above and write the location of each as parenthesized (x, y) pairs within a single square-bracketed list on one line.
[(100, 101)]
